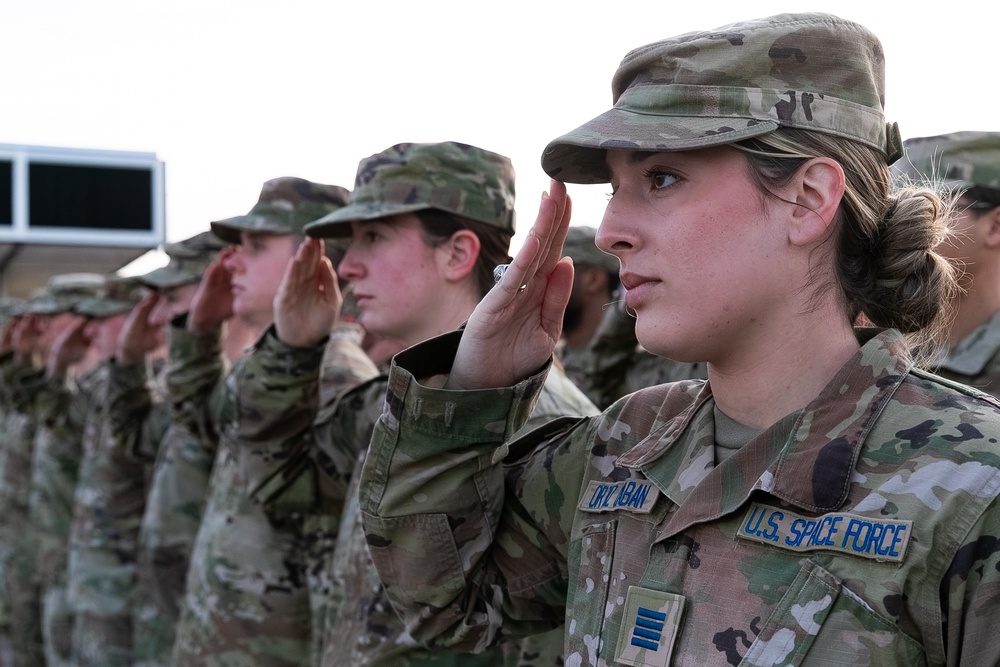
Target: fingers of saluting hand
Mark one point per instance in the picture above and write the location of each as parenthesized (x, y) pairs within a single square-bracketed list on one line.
[(328, 280), (553, 232), (303, 266), (140, 313), (218, 275), (543, 248), (306, 274)]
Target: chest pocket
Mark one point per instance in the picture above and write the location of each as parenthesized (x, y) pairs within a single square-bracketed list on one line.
[(820, 622), (590, 557)]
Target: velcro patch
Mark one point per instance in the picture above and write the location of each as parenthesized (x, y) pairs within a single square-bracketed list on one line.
[(631, 496), (649, 627), (867, 537)]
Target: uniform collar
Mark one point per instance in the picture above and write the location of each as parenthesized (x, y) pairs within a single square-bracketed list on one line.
[(806, 459), (970, 355)]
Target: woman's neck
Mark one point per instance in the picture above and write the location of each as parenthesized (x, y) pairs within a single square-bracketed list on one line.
[(789, 368), (454, 307)]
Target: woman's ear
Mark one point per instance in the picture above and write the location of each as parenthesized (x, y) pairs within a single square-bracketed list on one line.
[(816, 190), (460, 254), (991, 223)]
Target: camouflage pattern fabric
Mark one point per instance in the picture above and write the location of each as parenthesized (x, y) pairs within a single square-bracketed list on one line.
[(182, 451), (166, 537), (20, 589), (140, 419), (353, 622), (807, 71), (188, 260), (859, 530), (246, 599), (613, 364), (285, 206), (959, 160), (63, 415), (975, 360), (6, 406), (107, 504), (456, 178), (64, 291)]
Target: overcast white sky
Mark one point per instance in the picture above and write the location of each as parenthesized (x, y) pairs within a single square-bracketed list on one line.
[(230, 93)]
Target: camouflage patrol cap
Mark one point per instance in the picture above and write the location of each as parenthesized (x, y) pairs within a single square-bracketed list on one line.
[(285, 206), (120, 294), (807, 71), (10, 307), (64, 291), (580, 246), (449, 176), (959, 160), (188, 260)]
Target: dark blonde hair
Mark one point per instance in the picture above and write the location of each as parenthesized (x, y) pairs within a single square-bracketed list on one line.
[(494, 243), (887, 270)]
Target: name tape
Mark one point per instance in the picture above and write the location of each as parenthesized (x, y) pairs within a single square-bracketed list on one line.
[(631, 496), (867, 537)]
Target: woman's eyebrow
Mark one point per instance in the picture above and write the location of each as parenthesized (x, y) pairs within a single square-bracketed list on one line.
[(640, 156)]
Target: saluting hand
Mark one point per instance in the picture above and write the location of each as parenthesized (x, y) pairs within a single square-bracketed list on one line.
[(7, 340), (212, 303), (26, 336), (137, 338), (68, 348), (517, 329), (308, 301)]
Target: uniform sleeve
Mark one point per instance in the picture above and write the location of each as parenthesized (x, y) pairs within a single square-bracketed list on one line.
[(195, 372), (195, 385), (58, 450), (28, 383), (137, 422), (971, 595), (464, 563), (52, 403), (277, 386), (278, 389)]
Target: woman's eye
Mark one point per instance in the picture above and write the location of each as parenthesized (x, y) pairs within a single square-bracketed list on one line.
[(660, 179)]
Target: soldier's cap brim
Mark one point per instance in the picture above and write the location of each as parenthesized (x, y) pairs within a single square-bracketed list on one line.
[(580, 156), (46, 307), (102, 307), (229, 229), (337, 224), (166, 278)]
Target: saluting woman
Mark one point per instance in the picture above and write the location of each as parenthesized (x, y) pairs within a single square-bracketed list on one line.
[(819, 500)]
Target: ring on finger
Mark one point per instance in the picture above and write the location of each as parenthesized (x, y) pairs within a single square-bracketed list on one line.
[(498, 272)]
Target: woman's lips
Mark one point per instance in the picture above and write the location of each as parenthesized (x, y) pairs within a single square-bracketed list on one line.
[(637, 288)]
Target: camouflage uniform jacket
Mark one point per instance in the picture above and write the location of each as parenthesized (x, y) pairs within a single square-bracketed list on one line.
[(16, 452), (25, 384), (105, 522), (359, 626), (859, 530), (975, 360), (145, 424), (246, 594), (63, 412), (17, 566), (613, 364)]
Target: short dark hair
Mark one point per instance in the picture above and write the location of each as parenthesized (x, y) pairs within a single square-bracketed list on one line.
[(438, 226)]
